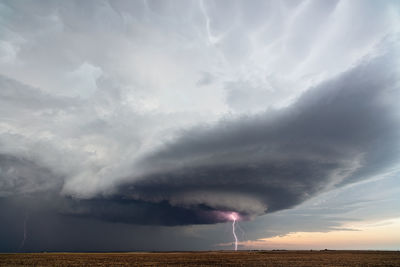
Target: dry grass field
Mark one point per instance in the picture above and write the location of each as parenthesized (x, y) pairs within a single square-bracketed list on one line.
[(242, 258)]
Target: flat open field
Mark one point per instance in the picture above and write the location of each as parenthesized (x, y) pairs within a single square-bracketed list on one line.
[(242, 258)]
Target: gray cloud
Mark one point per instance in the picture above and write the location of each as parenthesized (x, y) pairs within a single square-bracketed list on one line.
[(205, 79), (344, 130), (339, 132), (22, 176)]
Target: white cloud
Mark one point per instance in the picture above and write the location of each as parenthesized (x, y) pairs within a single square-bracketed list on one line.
[(82, 81)]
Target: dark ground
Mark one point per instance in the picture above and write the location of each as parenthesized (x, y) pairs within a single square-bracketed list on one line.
[(223, 258)]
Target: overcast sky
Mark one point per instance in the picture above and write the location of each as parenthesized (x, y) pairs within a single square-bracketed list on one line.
[(140, 125)]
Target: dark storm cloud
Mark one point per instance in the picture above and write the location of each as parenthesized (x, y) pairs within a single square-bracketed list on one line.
[(342, 131), (20, 176), (139, 212)]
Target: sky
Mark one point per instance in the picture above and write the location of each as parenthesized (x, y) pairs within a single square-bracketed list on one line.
[(142, 125)]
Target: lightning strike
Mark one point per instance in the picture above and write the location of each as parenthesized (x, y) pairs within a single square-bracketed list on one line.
[(234, 218), (25, 233)]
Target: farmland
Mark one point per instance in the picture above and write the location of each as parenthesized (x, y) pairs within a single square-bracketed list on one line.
[(217, 258)]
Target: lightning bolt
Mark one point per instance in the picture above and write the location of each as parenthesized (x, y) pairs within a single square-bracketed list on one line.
[(234, 218), (25, 233)]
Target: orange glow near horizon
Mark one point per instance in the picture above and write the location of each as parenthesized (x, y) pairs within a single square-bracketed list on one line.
[(379, 235)]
